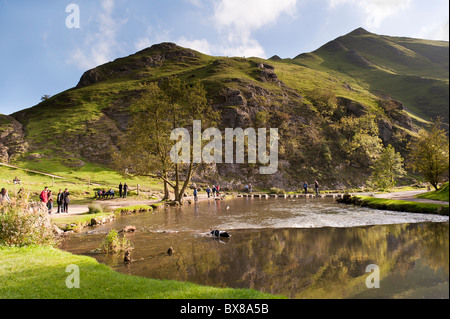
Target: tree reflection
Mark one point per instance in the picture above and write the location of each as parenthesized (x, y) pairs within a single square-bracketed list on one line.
[(306, 263)]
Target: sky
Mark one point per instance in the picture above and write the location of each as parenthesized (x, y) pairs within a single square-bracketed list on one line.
[(47, 45)]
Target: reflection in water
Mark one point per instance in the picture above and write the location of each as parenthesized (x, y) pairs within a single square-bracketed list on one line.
[(323, 262)]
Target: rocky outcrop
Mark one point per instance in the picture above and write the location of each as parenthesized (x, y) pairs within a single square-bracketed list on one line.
[(98, 142), (12, 139), (267, 73), (352, 107), (152, 57)]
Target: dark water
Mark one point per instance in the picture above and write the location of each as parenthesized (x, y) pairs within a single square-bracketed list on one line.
[(302, 248)]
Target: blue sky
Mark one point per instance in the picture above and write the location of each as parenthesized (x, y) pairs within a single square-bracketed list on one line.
[(40, 55)]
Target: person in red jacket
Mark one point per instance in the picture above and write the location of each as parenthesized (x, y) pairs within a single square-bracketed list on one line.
[(44, 195)]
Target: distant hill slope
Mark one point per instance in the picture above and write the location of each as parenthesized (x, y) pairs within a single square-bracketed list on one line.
[(414, 71), (332, 107)]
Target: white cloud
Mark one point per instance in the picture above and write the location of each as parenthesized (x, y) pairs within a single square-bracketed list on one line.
[(99, 47), (250, 15), (436, 31), (236, 20), (201, 45), (376, 10), (153, 35)]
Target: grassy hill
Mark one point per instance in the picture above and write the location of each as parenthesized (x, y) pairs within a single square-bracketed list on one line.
[(333, 107), (414, 71)]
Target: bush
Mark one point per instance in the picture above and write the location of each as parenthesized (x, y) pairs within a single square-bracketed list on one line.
[(276, 190), (113, 242), (21, 224), (99, 209)]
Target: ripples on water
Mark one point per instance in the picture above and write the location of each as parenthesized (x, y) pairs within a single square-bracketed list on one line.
[(301, 248)]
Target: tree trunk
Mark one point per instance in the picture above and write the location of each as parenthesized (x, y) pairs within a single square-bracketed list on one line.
[(166, 191), (187, 181)]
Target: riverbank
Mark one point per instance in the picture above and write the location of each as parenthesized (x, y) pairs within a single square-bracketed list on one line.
[(79, 217), (406, 201), (39, 272), (407, 204)]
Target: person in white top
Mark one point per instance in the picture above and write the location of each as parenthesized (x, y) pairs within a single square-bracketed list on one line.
[(4, 197)]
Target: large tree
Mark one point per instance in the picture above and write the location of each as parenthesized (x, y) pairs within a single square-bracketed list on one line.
[(159, 110), (429, 153)]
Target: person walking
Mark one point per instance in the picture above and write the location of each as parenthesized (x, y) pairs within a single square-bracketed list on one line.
[(195, 195), (214, 191), (120, 189), (66, 201), (125, 190), (44, 195), (305, 187), (59, 202), (208, 191), (4, 197), (316, 186), (218, 189), (50, 202), (250, 188)]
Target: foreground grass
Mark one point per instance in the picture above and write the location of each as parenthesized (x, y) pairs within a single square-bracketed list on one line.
[(38, 272), (402, 205), (441, 194)]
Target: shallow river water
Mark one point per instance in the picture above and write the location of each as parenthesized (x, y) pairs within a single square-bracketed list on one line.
[(300, 248)]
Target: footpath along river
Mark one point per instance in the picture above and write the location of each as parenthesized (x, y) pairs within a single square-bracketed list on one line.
[(301, 248)]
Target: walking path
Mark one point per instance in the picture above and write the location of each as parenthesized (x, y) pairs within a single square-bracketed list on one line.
[(113, 204), (31, 171), (409, 196)]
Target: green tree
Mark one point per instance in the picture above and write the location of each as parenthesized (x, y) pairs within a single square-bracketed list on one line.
[(429, 153), (161, 108), (145, 148), (387, 168), (360, 139)]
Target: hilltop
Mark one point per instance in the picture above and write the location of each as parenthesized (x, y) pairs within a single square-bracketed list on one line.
[(413, 71), (334, 107)]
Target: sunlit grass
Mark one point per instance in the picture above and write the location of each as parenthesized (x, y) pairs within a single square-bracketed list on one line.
[(40, 273), (441, 194)]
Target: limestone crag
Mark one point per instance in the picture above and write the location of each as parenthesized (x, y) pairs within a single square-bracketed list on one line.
[(12, 139)]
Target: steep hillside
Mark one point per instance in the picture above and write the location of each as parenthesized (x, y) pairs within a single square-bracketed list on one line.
[(413, 71), (331, 124)]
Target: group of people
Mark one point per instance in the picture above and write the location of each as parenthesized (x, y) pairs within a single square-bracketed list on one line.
[(123, 190), (215, 190), (248, 188), (316, 187), (62, 200), (105, 194)]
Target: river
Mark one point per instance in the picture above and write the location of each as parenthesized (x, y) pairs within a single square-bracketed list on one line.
[(299, 248)]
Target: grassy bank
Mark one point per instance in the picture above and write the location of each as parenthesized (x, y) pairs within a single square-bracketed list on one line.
[(400, 205), (441, 194), (38, 272)]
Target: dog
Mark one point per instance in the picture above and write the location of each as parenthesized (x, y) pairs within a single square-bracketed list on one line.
[(219, 233)]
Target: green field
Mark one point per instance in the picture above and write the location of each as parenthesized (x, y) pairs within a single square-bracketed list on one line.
[(82, 182), (40, 273)]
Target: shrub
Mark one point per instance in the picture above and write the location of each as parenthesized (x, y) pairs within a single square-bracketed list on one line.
[(99, 209), (114, 242), (21, 224), (276, 190)]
